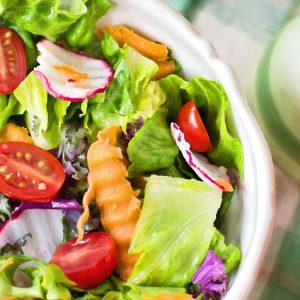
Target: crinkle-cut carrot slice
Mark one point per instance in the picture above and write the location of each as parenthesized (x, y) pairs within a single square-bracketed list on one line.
[(124, 35), (13, 132), (165, 68), (119, 208)]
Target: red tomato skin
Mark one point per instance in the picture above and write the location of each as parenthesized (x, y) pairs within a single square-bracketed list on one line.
[(22, 179), (191, 125), (89, 262), (13, 66)]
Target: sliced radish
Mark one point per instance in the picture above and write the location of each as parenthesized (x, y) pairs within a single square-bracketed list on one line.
[(211, 174), (45, 226), (43, 221), (71, 76)]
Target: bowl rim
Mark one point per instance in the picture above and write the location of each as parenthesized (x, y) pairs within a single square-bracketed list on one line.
[(249, 269)]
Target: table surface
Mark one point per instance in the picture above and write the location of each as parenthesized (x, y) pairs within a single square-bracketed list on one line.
[(249, 27)]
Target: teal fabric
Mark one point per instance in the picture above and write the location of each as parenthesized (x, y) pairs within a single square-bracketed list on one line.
[(260, 19), (284, 282)]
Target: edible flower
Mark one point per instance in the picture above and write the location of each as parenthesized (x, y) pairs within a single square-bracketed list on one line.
[(211, 277), (132, 128)]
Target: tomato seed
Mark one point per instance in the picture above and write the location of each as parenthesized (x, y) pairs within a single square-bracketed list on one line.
[(19, 154), (42, 186), (28, 156), (10, 52), (8, 34), (22, 184), (8, 176), (40, 164), (6, 43), (3, 169)]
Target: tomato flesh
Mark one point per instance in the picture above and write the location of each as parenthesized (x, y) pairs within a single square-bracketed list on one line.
[(191, 125), (89, 262), (13, 60), (29, 173)]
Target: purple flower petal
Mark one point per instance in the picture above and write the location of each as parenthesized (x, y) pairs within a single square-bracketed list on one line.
[(132, 128), (211, 277)]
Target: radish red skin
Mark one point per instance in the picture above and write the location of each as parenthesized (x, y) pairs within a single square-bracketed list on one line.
[(52, 92), (211, 174), (58, 67)]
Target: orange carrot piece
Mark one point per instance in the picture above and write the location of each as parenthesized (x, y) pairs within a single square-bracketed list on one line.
[(124, 35), (169, 297), (165, 68), (87, 200), (13, 132), (119, 208)]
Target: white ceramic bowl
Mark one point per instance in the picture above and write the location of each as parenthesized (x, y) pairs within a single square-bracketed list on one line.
[(249, 221)]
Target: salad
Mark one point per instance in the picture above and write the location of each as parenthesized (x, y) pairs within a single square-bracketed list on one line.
[(101, 134)]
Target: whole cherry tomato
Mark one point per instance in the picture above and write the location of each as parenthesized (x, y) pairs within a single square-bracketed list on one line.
[(89, 262)]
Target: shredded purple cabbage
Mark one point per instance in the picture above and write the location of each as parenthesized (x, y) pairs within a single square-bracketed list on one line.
[(211, 277), (57, 204), (62, 204), (132, 128), (72, 152)]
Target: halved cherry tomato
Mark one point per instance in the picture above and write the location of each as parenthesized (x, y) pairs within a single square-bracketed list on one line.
[(29, 173), (89, 262), (13, 60), (191, 125)]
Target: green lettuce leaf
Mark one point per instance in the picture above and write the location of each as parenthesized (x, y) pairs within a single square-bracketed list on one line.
[(132, 73), (131, 94), (171, 87), (94, 293), (152, 147), (174, 231), (230, 254), (134, 292), (9, 106), (127, 291), (44, 115), (57, 110), (33, 97), (180, 168), (43, 17), (47, 281), (83, 31), (43, 281), (215, 111), (5, 4)]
